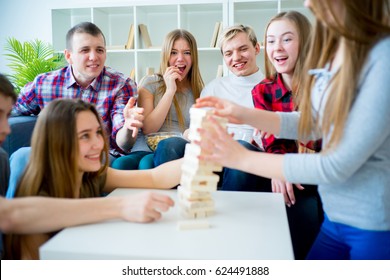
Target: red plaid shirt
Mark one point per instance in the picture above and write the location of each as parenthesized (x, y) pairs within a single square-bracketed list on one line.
[(272, 95), (110, 92)]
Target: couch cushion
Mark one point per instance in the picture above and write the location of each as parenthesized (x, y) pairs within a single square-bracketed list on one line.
[(21, 131)]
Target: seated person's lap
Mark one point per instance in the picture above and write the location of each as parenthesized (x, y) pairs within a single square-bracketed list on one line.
[(169, 149)]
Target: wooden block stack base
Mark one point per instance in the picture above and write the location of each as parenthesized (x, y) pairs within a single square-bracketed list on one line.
[(198, 179)]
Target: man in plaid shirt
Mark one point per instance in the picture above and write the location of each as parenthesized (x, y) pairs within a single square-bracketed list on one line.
[(87, 78)]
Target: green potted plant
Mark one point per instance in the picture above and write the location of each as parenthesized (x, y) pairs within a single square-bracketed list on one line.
[(29, 59)]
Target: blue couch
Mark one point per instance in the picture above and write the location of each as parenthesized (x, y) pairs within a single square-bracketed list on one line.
[(21, 131)]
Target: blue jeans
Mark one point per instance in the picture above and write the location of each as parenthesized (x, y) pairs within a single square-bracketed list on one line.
[(146, 162), (130, 161), (342, 242), (169, 149), (236, 180)]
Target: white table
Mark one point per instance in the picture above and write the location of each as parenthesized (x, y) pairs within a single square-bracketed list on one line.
[(246, 225)]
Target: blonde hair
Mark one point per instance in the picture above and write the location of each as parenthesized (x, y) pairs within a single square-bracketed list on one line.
[(364, 22), (53, 166), (304, 29), (194, 75), (232, 31)]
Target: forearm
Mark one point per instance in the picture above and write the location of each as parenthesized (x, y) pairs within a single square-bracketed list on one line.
[(263, 120), (164, 176), (261, 164), (167, 175), (40, 214), (125, 139)]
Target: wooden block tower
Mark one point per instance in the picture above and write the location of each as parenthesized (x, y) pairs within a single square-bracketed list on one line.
[(197, 180)]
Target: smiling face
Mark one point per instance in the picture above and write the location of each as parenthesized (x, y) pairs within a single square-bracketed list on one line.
[(180, 57), (282, 46), (240, 55), (87, 57), (90, 140), (5, 110)]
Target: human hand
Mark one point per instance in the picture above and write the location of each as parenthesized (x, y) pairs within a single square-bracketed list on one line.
[(223, 108), (287, 189), (133, 116), (172, 73), (145, 207), (218, 146)]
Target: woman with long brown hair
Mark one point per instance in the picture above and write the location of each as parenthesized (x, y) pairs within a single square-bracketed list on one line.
[(166, 96), (68, 160)]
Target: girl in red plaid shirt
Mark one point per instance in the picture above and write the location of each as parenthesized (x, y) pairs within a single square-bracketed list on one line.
[(286, 42)]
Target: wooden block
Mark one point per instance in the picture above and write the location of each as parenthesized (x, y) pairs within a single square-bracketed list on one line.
[(193, 224), (190, 167), (198, 178), (198, 115), (192, 150), (196, 214), (185, 193), (197, 204), (193, 134), (200, 182), (202, 112), (200, 167)]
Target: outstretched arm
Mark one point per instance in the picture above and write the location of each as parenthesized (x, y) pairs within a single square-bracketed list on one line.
[(164, 176), (263, 120), (221, 148), (43, 214)]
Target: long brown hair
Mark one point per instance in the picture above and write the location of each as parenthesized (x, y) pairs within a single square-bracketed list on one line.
[(364, 23), (53, 166), (304, 29), (194, 76)]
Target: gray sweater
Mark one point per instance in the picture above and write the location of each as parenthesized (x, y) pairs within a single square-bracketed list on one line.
[(354, 178)]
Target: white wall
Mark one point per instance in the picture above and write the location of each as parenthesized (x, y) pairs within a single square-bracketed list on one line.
[(31, 19)]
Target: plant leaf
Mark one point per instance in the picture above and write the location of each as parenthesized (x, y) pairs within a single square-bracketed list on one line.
[(29, 59)]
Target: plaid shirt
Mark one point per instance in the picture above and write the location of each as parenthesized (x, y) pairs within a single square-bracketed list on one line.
[(272, 95), (110, 92)]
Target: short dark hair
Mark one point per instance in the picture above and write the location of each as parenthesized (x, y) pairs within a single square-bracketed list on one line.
[(6, 88), (83, 27)]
